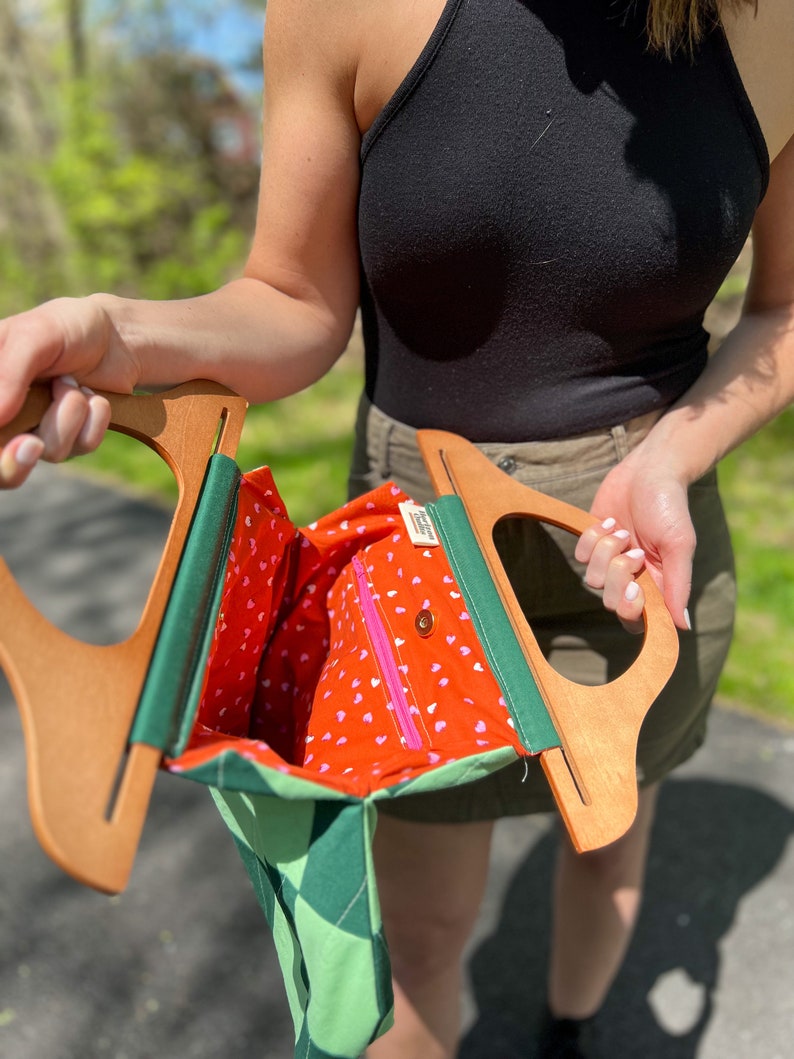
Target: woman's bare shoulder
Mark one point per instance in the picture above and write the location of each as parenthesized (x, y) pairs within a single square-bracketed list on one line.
[(366, 46), (309, 37), (762, 41)]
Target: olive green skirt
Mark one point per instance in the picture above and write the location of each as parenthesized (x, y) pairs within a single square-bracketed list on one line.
[(581, 639)]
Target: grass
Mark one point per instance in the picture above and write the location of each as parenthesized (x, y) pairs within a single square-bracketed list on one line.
[(758, 488), (306, 440)]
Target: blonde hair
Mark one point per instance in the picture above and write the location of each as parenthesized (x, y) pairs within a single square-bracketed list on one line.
[(680, 24)]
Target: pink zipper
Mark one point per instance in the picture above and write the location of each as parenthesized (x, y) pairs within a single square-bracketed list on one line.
[(381, 645)]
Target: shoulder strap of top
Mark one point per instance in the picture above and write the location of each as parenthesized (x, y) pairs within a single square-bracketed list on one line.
[(413, 77), (743, 103)]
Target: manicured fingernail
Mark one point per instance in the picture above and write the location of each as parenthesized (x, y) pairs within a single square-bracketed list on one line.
[(87, 391), (608, 523), (687, 619), (69, 380), (622, 535), (29, 452), (636, 553), (632, 591)]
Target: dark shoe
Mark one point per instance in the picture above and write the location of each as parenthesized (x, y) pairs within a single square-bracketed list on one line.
[(566, 1038)]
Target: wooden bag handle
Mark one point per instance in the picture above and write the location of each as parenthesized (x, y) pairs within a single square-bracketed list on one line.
[(88, 792), (78, 701), (593, 773)]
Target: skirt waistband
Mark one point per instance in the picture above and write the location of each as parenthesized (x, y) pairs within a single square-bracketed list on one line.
[(584, 452)]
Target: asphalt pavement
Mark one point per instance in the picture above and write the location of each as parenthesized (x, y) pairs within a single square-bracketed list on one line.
[(181, 965)]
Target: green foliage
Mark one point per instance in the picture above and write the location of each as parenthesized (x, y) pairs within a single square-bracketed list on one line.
[(758, 487), (203, 257), (18, 288), (110, 178), (136, 221)]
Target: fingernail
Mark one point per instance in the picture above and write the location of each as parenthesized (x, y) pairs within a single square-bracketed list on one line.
[(69, 380), (87, 391), (608, 523), (636, 553), (29, 451), (622, 535), (687, 619), (632, 591)]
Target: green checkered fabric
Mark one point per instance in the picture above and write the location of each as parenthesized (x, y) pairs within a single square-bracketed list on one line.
[(309, 856), (307, 842), (310, 863)]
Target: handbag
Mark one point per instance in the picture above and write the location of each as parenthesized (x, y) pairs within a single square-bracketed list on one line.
[(305, 674)]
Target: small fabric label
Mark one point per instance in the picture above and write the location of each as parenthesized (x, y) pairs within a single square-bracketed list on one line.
[(419, 525)]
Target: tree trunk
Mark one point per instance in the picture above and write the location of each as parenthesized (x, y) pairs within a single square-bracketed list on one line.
[(75, 12), (31, 218)]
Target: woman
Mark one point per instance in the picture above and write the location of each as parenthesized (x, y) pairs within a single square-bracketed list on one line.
[(543, 204)]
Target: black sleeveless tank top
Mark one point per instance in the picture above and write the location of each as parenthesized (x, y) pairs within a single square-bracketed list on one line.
[(546, 211)]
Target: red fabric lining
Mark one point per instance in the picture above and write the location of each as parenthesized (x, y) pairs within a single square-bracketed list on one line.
[(292, 680)]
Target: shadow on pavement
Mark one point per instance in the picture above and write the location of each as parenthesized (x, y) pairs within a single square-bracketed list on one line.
[(182, 963), (713, 843)]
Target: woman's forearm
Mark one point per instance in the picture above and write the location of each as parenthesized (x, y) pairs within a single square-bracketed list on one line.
[(745, 385), (247, 335)]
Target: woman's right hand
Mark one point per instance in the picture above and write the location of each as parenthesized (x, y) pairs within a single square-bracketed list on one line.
[(73, 343)]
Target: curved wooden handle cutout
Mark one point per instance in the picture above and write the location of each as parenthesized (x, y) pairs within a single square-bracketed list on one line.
[(593, 773), (77, 700)]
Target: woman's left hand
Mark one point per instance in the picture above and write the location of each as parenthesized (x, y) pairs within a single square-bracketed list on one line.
[(644, 522)]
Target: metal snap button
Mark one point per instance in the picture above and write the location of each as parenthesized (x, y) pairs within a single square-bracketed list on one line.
[(507, 464), (425, 622)]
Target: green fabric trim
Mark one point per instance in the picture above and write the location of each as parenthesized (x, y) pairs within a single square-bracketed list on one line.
[(230, 771), (454, 774), (373, 900), (170, 695), (493, 626)]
